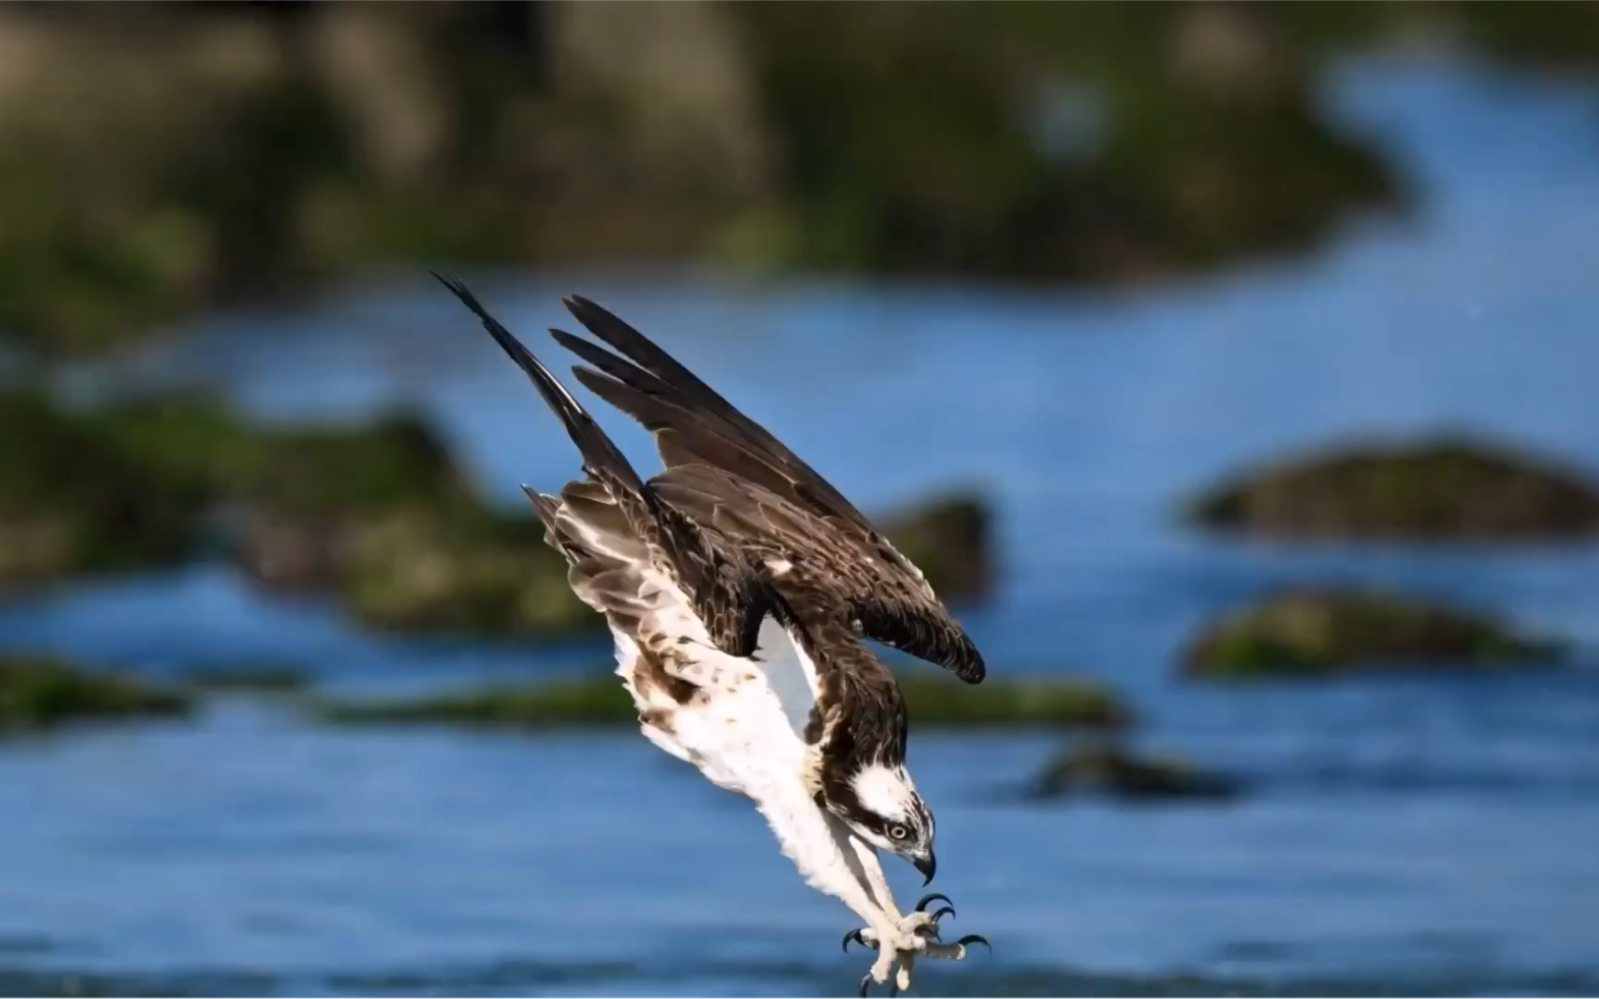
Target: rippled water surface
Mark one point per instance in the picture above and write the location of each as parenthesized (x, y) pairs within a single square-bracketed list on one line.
[(1417, 835)]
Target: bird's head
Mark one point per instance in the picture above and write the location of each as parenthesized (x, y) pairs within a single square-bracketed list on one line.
[(885, 810)]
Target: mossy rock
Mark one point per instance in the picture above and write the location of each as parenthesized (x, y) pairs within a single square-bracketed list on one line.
[(474, 573), (184, 441), (1108, 769), (266, 678), (77, 493), (1442, 489), (950, 539), (136, 483), (933, 702), (1316, 632), (307, 497), (394, 461), (42, 693)]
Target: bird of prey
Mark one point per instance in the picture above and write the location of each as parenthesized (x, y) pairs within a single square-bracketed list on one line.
[(739, 585)]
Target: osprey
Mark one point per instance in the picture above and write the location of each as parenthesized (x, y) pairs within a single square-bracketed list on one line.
[(738, 585)]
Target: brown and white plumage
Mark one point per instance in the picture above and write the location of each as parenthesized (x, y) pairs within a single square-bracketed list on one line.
[(738, 585)]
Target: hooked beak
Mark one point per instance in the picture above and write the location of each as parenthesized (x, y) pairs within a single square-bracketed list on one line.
[(928, 865)]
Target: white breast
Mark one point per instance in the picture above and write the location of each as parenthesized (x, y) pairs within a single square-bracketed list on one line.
[(744, 727), (745, 733)]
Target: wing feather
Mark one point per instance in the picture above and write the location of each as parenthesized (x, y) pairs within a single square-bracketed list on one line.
[(729, 594), (725, 470), (672, 380)]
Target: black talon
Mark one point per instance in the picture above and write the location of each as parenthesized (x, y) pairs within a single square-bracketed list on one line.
[(854, 935), (948, 910), (972, 938), (866, 983), (927, 900)]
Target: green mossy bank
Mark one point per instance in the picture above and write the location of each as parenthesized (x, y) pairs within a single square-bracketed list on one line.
[(933, 702), (39, 693), (1316, 632)]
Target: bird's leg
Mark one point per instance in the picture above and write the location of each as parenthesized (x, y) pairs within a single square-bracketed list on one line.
[(921, 940), (866, 855), (916, 923), (916, 932), (869, 897)]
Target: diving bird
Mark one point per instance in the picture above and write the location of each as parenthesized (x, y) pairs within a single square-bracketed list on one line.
[(739, 585)]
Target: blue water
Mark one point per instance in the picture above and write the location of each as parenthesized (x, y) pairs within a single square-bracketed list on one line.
[(1409, 835)]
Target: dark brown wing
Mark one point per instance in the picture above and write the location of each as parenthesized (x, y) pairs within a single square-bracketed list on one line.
[(729, 594), (716, 426), (726, 471)]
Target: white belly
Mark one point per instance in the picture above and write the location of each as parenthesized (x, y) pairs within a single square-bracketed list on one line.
[(744, 730), (744, 727)]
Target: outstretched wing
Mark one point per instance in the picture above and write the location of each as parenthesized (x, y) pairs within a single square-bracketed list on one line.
[(724, 469), (728, 594)]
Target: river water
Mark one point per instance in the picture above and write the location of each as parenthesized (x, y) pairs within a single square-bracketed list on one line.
[(1411, 835)]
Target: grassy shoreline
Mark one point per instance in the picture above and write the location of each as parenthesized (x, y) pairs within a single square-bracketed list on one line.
[(40, 693), (600, 701)]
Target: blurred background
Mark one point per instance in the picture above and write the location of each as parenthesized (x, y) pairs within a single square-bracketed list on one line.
[(1232, 369)]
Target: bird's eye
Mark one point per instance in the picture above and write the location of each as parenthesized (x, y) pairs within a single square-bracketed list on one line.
[(898, 832)]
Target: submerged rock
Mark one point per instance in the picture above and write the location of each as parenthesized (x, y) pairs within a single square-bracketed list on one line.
[(932, 701), (1441, 489), (1105, 768), (1311, 632), (266, 678), (42, 693)]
